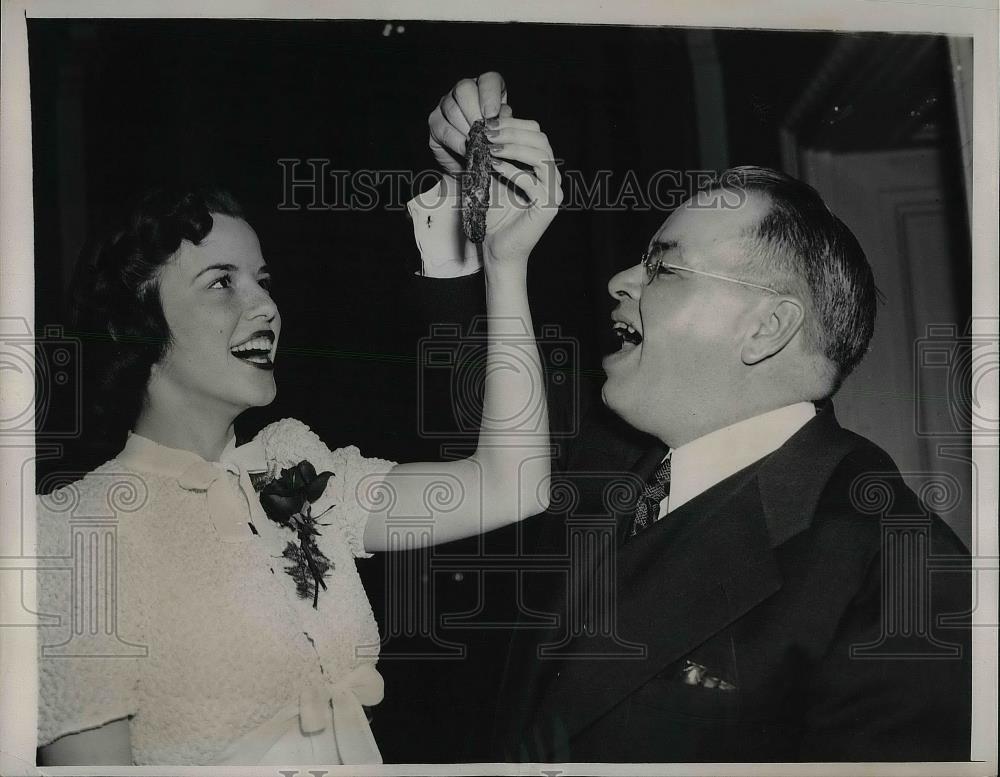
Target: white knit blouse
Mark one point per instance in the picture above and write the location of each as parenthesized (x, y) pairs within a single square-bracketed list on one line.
[(200, 640)]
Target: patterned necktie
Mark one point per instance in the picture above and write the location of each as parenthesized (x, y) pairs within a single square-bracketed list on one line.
[(657, 488)]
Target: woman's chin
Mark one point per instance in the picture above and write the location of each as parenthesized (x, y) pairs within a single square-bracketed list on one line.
[(268, 397), (262, 397)]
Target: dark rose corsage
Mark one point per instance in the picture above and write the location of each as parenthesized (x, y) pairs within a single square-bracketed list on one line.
[(288, 500)]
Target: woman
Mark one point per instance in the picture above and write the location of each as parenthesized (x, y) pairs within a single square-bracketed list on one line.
[(242, 634)]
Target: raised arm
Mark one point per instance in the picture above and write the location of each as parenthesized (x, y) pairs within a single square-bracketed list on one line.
[(506, 479)]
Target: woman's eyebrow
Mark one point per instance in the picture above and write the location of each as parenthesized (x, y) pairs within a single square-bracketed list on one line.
[(262, 270), (226, 267)]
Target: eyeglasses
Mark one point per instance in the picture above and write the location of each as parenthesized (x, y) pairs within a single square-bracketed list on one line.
[(652, 265)]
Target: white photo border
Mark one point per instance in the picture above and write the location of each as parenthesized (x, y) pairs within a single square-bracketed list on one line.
[(977, 19)]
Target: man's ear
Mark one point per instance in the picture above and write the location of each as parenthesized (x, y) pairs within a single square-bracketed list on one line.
[(784, 318)]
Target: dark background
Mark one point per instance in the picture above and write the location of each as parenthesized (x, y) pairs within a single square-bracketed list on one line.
[(120, 105)]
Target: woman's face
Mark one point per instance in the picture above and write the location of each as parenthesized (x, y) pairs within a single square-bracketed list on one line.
[(223, 323)]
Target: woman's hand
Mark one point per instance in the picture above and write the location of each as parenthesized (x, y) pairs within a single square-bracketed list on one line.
[(507, 478), (526, 194), (526, 191), (470, 100)]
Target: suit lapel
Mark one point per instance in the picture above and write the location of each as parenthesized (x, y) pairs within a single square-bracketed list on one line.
[(625, 488), (793, 478), (679, 582), (696, 571), (526, 673)]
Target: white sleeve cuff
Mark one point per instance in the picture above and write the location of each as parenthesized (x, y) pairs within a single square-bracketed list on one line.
[(437, 227)]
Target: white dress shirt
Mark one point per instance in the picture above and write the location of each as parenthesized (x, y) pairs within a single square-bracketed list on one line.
[(698, 465)]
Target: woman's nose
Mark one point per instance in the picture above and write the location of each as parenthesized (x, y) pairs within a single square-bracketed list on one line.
[(628, 283), (262, 306)]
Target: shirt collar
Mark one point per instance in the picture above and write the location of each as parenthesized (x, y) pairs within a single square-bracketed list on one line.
[(700, 464), (145, 455)]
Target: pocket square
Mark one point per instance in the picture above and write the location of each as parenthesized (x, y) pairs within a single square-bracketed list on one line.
[(696, 674)]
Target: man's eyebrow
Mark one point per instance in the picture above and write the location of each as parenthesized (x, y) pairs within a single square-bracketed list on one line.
[(662, 246)]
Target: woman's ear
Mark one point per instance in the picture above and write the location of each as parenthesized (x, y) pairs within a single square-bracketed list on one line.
[(781, 321)]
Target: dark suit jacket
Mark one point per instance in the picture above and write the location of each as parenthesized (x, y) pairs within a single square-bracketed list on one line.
[(808, 608), (813, 582)]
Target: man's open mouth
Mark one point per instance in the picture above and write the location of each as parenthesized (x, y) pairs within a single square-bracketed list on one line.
[(256, 350), (628, 334)]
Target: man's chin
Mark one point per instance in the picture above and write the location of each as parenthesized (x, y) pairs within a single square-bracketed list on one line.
[(610, 397), (616, 400)]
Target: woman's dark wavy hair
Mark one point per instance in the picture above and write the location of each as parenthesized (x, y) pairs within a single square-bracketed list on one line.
[(117, 296)]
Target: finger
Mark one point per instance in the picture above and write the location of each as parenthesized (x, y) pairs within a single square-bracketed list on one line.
[(540, 161), (466, 96), (450, 110), (512, 173), (505, 111), (519, 137), (540, 193), (510, 176), (443, 133), (515, 152), (492, 93), (502, 122)]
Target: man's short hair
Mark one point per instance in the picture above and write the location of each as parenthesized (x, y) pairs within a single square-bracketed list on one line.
[(801, 246)]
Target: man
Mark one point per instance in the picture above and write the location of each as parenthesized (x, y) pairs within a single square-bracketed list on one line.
[(752, 600)]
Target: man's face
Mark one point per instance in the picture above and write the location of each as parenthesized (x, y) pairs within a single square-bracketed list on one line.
[(683, 361)]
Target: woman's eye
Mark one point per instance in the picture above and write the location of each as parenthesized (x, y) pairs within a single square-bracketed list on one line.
[(664, 270), (266, 284), (223, 282)]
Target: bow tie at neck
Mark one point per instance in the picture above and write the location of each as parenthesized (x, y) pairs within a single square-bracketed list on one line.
[(233, 506)]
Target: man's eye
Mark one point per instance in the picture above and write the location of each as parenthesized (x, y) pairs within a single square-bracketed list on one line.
[(664, 270), (266, 284), (222, 282)]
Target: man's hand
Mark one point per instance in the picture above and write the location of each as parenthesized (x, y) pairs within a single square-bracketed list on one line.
[(526, 191)]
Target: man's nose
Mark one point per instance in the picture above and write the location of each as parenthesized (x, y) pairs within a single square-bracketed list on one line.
[(628, 283)]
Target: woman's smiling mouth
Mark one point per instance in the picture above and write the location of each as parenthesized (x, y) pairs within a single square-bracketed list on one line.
[(256, 350)]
